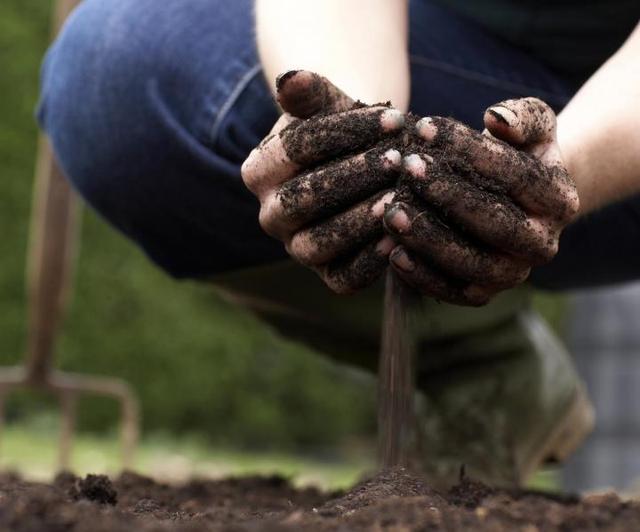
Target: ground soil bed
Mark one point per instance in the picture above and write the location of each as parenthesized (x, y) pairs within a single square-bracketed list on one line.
[(392, 500)]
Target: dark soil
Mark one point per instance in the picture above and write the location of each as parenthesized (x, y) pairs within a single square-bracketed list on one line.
[(392, 500), (396, 380)]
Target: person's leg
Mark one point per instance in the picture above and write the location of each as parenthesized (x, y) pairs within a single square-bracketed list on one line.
[(151, 108)]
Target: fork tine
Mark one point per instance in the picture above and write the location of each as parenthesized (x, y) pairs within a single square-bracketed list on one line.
[(3, 394), (130, 424), (67, 428)]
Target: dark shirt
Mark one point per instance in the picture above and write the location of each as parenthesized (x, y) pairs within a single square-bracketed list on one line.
[(572, 37)]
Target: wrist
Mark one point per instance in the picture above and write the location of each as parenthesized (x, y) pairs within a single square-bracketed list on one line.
[(575, 161)]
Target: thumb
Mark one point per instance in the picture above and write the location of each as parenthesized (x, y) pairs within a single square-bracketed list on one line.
[(521, 122), (303, 94)]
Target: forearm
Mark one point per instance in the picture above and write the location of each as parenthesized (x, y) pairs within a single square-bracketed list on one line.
[(598, 131), (360, 45)]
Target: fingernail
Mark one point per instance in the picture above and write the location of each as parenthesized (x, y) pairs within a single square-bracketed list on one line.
[(414, 164), (391, 119), (385, 246), (280, 80), (401, 260), (379, 206), (426, 128), (391, 159), (504, 115), (397, 220)]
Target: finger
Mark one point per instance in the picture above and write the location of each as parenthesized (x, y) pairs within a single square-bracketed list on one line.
[(307, 142), (523, 121), (311, 141), (248, 169), (549, 155), (282, 122), (360, 270), (326, 191), (418, 274), (491, 218), (501, 168), (343, 232), (424, 234), (303, 94)]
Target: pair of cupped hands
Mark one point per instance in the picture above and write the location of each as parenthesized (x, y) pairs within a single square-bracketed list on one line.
[(347, 200)]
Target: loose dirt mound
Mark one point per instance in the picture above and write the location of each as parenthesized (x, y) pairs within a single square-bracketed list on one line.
[(392, 500)]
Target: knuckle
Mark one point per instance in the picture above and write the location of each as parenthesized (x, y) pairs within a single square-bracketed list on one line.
[(519, 275), (266, 222), (304, 250), (537, 241), (278, 210), (509, 277), (270, 217), (506, 270), (509, 103), (343, 289), (572, 205), (336, 284), (564, 203), (546, 250), (540, 104), (495, 273), (476, 297), (459, 131), (250, 176)]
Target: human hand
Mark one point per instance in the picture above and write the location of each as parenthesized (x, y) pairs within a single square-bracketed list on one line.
[(323, 184), (489, 206)]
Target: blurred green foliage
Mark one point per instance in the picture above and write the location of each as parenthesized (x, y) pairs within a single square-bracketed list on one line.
[(198, 363)]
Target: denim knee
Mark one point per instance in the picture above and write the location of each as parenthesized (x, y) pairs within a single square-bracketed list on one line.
[(115, 71), (99, 80), (131, 92)]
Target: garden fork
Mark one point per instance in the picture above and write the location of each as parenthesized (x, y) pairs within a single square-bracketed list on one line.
[(51, 257)]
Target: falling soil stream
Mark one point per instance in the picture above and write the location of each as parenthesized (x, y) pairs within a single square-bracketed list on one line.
[(396, 381)]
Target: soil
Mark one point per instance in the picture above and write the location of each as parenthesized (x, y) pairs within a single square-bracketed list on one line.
[(392, 500)]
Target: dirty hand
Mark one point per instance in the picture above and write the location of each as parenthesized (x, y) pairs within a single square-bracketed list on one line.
[(322, 188), (490, 206)]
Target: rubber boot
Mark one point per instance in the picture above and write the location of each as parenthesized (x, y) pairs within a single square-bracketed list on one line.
[(510, 402)]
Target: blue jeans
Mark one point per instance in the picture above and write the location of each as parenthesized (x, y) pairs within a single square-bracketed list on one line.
[(152, 107)]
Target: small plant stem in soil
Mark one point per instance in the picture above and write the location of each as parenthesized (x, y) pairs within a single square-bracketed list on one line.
[(396, 383)]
